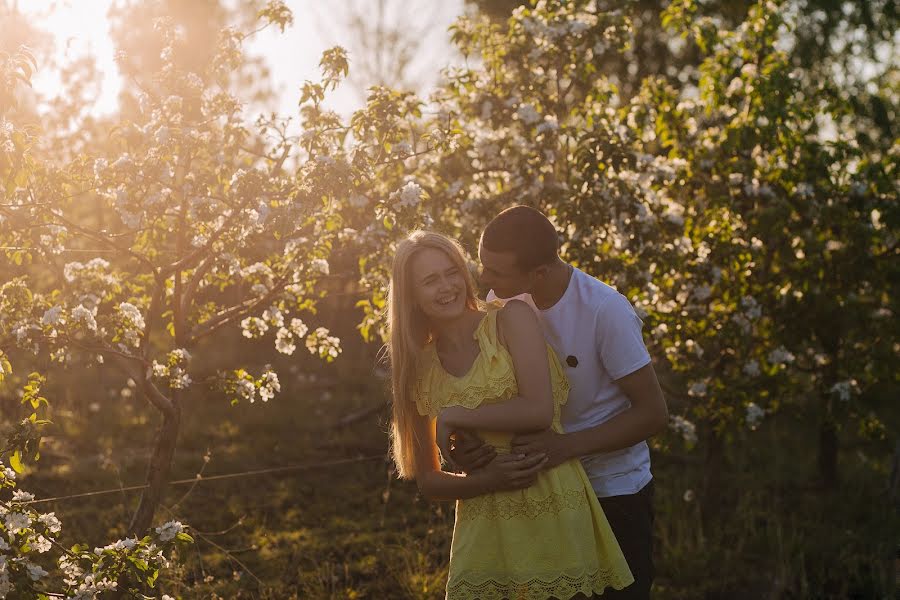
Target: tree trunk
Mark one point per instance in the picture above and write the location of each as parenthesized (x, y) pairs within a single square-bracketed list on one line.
[(158, 470), (828, 455)]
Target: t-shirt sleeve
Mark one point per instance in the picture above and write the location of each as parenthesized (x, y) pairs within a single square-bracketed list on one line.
[(618, 337)]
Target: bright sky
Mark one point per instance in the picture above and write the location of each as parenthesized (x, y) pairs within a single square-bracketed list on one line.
[(81, 26)]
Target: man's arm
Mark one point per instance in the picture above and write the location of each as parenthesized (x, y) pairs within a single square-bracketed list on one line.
[(646, 417), (507, 472)]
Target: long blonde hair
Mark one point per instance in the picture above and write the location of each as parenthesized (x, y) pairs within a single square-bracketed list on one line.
[(409, 332)]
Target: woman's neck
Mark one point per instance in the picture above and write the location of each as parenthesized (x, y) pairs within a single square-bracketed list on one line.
[(456, 333)]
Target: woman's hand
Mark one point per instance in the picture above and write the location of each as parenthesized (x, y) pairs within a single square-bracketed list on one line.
[(469, 451), (442, 433)]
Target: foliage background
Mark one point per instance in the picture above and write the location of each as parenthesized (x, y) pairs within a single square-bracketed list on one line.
[(729, 166)]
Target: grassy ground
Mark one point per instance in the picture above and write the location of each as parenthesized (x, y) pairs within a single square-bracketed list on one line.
[(351, 531)]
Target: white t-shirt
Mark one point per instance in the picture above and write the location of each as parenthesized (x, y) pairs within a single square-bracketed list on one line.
[(597, 325)]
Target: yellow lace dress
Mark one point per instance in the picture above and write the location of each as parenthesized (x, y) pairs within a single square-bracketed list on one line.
[(550, 540)]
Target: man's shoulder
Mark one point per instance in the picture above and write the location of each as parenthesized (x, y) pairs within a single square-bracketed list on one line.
[(593, 292)]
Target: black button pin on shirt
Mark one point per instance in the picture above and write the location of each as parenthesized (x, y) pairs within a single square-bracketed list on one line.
[(571, 361)]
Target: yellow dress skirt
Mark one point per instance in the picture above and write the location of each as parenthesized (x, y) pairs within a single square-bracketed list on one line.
[(550, 540)]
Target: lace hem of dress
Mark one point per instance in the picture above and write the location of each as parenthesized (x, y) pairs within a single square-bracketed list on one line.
[(563, 587), (470, 396), (493, 507)]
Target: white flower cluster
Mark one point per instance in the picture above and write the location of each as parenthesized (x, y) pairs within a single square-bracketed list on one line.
[(322, 343), (131, 219), (284, 340), (269, 385), (754, 415), (132, 323), (685, 428), (751, 368), (52, 316), (408, 196), (80, 314), (244, 386), (845, 390), (780, 356), (7, 129), (174, 370), (697, 390), (320, 265), (168, 531), (752, 309), (528, 114), (254, 327), (26, 531), (75, 270), (260, 277)]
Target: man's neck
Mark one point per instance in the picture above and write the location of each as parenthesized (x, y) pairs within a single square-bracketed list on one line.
[(553, 286)]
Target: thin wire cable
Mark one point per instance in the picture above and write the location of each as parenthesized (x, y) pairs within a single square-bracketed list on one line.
[(132, 488)]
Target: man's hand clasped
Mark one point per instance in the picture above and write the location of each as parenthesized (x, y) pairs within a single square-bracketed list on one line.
[(547, 442), (466, 452)]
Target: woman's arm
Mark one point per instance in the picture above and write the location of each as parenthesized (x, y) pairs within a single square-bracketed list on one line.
[(532, 409), (506, 472)]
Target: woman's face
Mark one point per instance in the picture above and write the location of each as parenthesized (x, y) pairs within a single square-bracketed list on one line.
[(439, 286)]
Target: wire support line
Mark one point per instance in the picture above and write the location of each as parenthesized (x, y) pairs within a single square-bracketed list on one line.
[(304, 467)]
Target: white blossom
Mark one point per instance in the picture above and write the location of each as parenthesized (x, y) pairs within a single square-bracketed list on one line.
[(805, 190), (284, 341), (548, 124), (698, 389), (780, 356), (51, 316), (41, 544), (751, 368), (754, 415), (16, 521), (82, 314), (684, 427), (320, 265), (410, 195), (169, 530), (269, 385), (298, 327), (254, 327), (845, 390), (50, 521), (528, 115), (402, 149), (35, 572), (22, 496)]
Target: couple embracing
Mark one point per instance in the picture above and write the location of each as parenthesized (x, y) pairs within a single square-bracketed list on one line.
[(513, 393)]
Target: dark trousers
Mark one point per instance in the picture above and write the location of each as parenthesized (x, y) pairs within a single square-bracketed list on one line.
[(631, 519)]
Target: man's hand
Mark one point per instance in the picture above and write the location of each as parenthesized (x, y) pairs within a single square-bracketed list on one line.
[(512, 471), (469, 452), (548, 442)]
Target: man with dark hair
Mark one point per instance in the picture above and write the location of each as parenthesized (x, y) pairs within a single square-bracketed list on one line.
[(615, 402)]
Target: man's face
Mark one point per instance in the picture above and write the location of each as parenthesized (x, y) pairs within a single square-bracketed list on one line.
[(500, 273)]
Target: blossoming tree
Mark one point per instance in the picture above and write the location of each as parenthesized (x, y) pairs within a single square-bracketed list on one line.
[(190, 222), (756, 248)]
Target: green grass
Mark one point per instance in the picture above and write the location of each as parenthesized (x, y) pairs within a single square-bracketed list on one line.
[(352, 531)]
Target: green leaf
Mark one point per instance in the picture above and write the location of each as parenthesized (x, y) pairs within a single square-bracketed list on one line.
[(15, 461)]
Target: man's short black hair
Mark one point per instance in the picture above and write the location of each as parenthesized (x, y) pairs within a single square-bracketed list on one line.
[(525, 232)]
